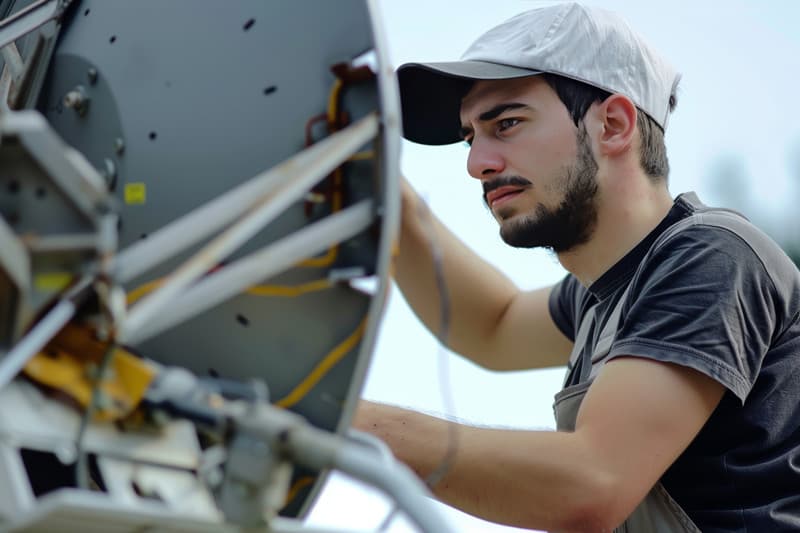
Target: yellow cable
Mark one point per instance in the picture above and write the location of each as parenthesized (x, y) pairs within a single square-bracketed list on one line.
[(336, 200), (336, 205), (333, 103), (298, 485), (336, 355), (288, 291), (322, 368), (141, 290), (362, 156)]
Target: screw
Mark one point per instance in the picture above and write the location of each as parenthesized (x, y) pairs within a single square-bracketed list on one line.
[(119, 145), (109, 173), (92, 75), (77, 99)]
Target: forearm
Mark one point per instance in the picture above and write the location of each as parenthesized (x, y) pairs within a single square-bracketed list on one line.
[(521, 478), (478, 293)]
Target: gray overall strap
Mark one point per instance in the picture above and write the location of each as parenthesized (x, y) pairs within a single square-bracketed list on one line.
[(589, 367), (603, 345), (580, 342)]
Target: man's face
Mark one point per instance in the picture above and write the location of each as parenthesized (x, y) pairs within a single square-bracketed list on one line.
[(538, 172)]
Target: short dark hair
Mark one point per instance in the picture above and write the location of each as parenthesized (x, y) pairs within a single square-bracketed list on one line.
[(577, 97)]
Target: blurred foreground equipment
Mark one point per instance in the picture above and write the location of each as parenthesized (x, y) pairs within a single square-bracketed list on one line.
[(197, 206)]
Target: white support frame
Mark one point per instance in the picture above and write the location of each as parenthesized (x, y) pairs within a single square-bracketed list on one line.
[(238, 276), (285, 184), (244, 211)]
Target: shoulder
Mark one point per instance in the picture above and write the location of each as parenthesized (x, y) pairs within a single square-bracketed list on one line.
[(711, 294), (722, 248)]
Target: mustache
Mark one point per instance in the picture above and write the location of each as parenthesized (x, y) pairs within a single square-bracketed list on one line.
[(502, 181)]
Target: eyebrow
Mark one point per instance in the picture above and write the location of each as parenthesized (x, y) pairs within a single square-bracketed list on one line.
[(491, 114)]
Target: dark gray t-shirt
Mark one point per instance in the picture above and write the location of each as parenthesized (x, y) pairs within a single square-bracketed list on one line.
[(726, 304)]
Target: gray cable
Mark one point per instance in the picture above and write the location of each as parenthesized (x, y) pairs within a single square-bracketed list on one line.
[(446, 462), (318, 449), (82, 477)]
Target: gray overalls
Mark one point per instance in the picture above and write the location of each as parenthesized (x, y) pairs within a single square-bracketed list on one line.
[(658, 512)]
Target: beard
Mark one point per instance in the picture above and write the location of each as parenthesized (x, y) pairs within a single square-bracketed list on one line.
[(572, 222)]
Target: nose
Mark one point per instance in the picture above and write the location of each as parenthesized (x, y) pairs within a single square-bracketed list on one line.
[(484, 160)]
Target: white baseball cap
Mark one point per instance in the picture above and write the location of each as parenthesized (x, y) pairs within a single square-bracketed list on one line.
[(590, 45)]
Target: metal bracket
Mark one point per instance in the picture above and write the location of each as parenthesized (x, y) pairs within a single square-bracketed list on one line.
[(22, 79)]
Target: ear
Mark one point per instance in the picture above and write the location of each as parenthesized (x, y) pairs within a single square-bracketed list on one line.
[(618, 116)]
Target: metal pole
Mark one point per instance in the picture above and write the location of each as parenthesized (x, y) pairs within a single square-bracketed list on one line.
[(319, 449), (42, 332), (248, 271), (304, 168), (13, 60), (30, 18)]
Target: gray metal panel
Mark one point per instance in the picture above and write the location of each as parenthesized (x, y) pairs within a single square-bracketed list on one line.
[(30, 200), (184, 85), (189, 98)]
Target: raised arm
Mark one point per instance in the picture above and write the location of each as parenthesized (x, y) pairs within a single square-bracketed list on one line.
[(492, 322)]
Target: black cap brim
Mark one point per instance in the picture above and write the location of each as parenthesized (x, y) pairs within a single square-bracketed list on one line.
[(431, 94)]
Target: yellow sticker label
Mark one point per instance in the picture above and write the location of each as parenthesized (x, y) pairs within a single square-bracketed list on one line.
[(52, 281), (135, 193)]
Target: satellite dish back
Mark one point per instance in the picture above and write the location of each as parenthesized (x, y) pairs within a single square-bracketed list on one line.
[(178, 102)]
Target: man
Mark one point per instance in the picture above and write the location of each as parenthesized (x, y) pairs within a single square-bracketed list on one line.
[(680, 324)]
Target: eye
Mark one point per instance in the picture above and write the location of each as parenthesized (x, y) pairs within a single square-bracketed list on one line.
[(506, 123)]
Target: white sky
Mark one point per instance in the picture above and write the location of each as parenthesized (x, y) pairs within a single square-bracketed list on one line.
[(738, 100)]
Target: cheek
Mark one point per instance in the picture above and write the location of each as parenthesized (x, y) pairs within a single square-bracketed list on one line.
[(562, 146), (547, 154)]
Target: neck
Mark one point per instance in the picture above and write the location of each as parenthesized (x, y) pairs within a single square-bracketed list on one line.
[(627, 212)]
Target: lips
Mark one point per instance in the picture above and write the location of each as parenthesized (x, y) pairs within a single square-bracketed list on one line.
[(502, 194)]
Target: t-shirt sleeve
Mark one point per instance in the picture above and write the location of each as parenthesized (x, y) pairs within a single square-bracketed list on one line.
[(703, 300), (563, 304)]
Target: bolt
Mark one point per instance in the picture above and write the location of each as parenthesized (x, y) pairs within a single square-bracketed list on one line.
[(92, 75), (109, 173), (73, 99), (119, 145), (77, 99)]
